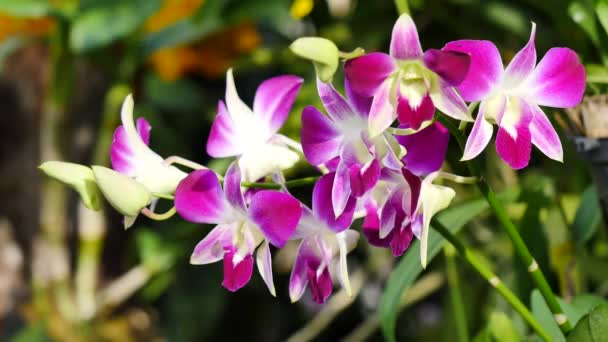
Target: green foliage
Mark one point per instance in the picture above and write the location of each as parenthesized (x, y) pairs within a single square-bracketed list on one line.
[(593, 327), (500, 328), (26, 8), (588, 216)]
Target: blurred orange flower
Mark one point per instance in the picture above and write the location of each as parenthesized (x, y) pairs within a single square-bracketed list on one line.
[(13, 26), (171, 12)]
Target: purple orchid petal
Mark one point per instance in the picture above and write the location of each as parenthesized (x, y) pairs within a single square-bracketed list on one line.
[(199, 198), (514, 140), (232, 187), (401, 239), (382, 112), (426, 149), (336, 105), (366, 74), (143, 128), (412, 195), (544, 136), (558, 80), (264, 264), (451, 66), (274, 98), (371, 226), (485, 71), (299, 279), (362, 104), (480, 134), (405, 43), (277, 214), (363, 179), (413, 117), (320, 284), (341, 190), (322, 205), (320, 139), (446, 99), (522, 65), (236, 275), (223, 138), (122, 154), (392, 216), (211, 248)]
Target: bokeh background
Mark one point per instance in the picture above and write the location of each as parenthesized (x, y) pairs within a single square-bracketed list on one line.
[(69, 274)]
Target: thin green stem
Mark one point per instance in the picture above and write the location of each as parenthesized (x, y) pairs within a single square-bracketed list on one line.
[(289, 184), (159, 217), (470, 256), (460, 316), (508, 226)]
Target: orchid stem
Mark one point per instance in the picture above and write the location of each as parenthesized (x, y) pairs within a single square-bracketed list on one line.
[(158, 217), (508, 226), (458, 179), (353, 54), (289, 184), (456, 294), (470, 256), (163, 196)]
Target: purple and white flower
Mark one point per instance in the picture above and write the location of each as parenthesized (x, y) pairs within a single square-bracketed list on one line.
[(251, 135), (343, 136), (271, 217), (511, 97), (326, 241), (409, 83)]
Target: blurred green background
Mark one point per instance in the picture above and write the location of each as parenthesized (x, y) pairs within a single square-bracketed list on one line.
[(68, 274)]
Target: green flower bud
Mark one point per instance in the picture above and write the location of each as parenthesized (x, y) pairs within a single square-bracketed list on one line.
[(77, 176), (126, 195)]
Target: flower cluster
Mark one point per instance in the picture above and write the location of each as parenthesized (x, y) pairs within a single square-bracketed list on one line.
[(379, 148)]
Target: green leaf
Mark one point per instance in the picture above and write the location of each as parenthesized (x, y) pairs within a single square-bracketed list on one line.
[(584, 16), (409, 268), (126, 195), (601, 9), (322, 52), (501, 328), (26, 8), (588, 216), (154, 253), (593, 327), (596, 73), (105, 23), (79, 177)]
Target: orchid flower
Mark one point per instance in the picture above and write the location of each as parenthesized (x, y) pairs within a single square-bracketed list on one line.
[(409, 82), (426, 149), (270, 218), (251, 135), (326, 240), (343, 135), (405, 211), (511, 97), (131, 156)]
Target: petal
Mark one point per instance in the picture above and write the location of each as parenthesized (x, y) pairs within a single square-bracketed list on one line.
[(371, 226), (522, 65), (558, 80), (485, 71), (363, 179), (199, 198), (341, 189), (413, 185), (264, 263), (320, 284), (274, 99), (346, 242), (482, 130), (405, 43), (362, 104), (133, 136), (299, 279), (401, 239), (143, 128), (382, 112), (223, 138), (446, 99), (320, 138), (236, 275), (392, 215), (122, 155), (451, 66), (232, 186), (514, 141), (433, 198), (366, 74), (322, 205), (211, 248), (336, 105), (544, 136), (277, 214), (426, 149), (237, 109), (265, 159), (413, 117)]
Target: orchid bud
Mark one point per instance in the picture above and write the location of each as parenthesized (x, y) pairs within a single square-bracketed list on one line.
[(77, 176), (126, 195), (322, 52)]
